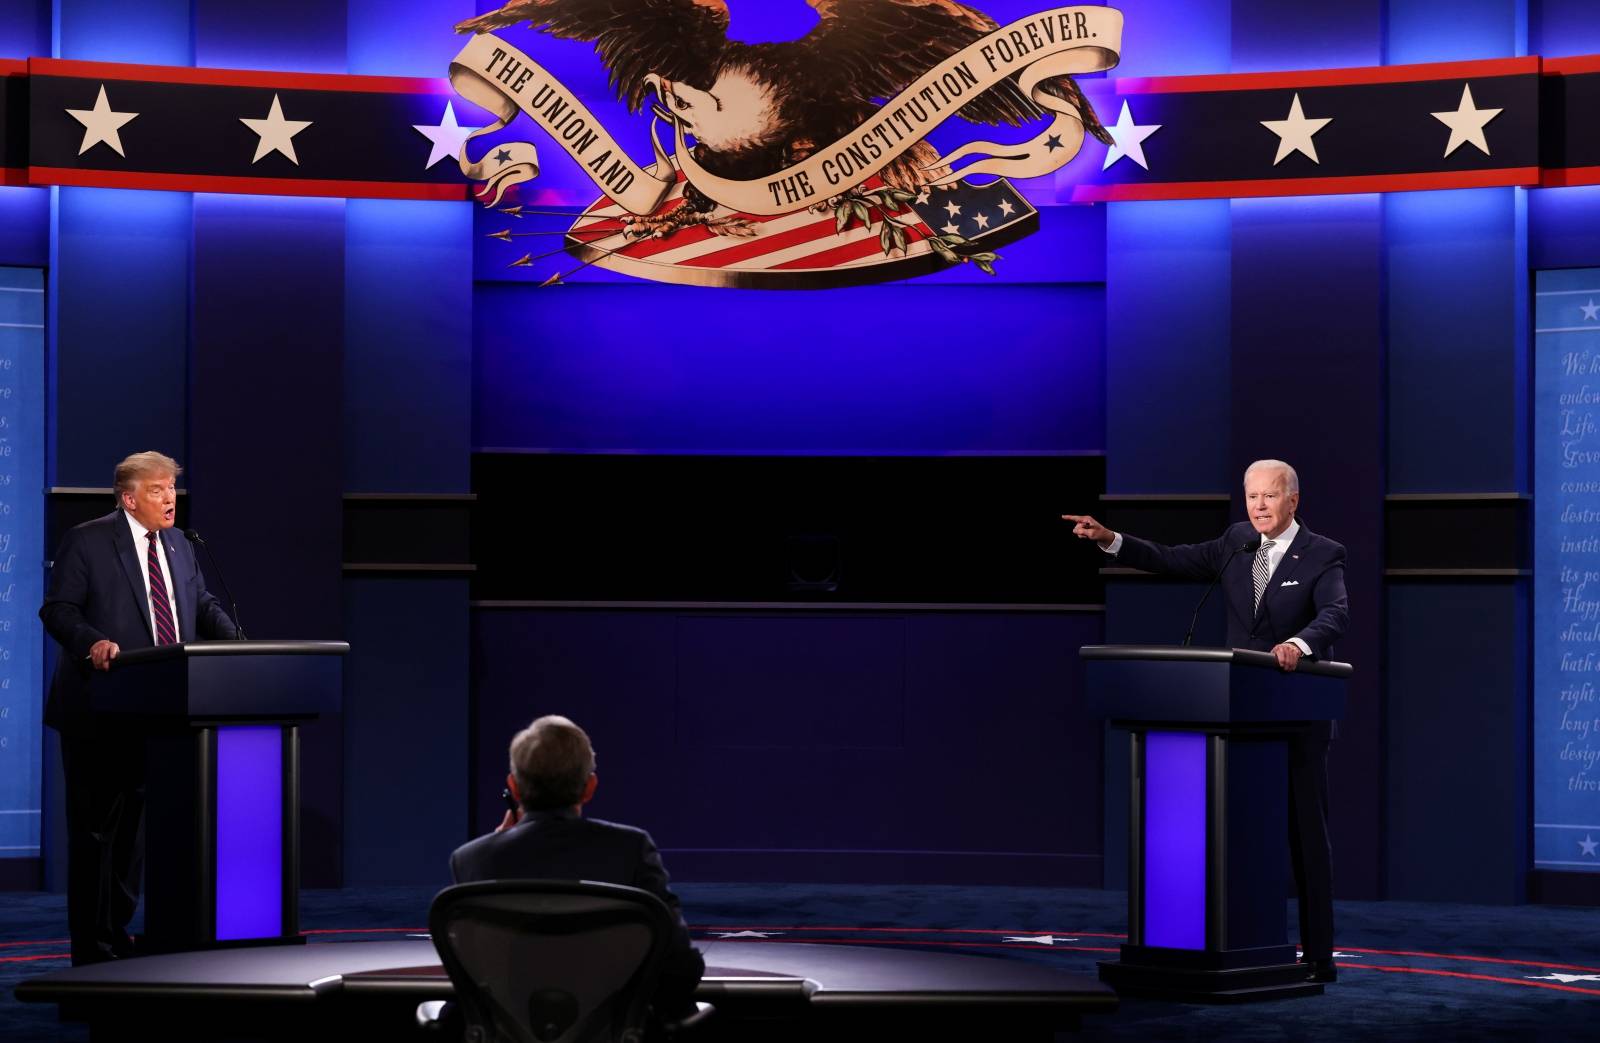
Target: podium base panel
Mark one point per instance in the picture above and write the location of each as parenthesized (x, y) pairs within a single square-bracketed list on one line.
[(1185, 985)]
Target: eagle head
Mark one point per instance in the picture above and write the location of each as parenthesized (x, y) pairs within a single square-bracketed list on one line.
[(738, 112)]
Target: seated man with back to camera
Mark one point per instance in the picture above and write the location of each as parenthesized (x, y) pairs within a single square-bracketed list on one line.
[(552, 777)]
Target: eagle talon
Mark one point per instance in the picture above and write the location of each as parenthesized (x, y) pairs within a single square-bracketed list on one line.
[(662, 227)]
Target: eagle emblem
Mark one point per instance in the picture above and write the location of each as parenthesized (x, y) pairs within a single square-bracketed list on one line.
[(797, 163)]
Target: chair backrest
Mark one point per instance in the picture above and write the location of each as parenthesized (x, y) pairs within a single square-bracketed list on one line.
[(551, 961)]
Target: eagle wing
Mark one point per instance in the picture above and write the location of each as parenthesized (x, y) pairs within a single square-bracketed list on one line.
[(879, 47), (678, 39)]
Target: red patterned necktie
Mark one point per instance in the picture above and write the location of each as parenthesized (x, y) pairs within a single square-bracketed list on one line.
[(160, 606)]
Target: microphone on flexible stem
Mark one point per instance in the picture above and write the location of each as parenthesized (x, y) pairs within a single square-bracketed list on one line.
[(1214, 581), (194, 538)]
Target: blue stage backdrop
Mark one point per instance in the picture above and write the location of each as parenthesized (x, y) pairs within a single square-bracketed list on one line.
[(892, 370), (21, 555), (1566, 746)]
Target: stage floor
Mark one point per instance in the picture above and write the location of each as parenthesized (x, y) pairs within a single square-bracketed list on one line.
[(759, 989), (1428, 971)]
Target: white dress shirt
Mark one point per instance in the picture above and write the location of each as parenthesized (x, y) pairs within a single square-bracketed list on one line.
[(1275, 554), (141, 549)]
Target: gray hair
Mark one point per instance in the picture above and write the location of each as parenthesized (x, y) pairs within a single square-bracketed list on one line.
[(552, 761), (140, 466), (1291, 480)]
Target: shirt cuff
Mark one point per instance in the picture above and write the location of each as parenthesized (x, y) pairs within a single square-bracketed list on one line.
[(1304, 648), (1116, 544)]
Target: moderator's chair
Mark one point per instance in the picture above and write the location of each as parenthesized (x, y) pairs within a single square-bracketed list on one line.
[(552, 961)]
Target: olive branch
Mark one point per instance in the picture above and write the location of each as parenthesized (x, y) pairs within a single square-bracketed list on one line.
[(895, 233)]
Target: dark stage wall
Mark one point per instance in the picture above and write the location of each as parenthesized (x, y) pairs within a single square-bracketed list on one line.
[(888, 746), (328, 368)]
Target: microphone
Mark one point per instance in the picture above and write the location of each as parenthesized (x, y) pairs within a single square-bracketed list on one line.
[(194, 538), (1214, 581)]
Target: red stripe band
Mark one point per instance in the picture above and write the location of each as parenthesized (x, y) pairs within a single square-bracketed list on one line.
[(309, 81), (248, 185), (1572, 66), (1253, 81), (1308, 186), (1562, 177)]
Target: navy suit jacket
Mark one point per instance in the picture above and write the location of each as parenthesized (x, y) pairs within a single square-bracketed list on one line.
[(1305, 597), (562, 845), (97, 592)]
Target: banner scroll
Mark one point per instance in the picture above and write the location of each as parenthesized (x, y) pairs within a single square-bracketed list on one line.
[(1061, 41)]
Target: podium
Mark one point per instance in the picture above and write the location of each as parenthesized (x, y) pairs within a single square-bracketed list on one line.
[(1208, 837), (220, 720)]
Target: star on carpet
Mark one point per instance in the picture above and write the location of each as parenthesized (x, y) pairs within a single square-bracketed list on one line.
[(1038, 939)]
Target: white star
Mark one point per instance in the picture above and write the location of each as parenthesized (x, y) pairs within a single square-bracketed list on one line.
[(1006, 207), (982, 219), (100, 124), (276, 133), (951, 228), (1294, 133), (1588, 844), (749, 934), (951, 209), (446, 135), (1590, 310), (1127, 139), (1565, 979), (922, 197), (1466, 123), (1042, 939)]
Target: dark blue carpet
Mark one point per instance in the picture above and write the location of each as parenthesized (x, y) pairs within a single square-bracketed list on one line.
[(1407, 971)]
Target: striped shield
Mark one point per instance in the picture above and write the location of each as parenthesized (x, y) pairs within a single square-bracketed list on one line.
[(804, 249)]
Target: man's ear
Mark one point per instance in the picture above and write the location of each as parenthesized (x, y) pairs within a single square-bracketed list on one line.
[(588, 789), (511, 784)]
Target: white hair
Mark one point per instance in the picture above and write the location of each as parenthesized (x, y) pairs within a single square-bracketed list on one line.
[(1291, 480)]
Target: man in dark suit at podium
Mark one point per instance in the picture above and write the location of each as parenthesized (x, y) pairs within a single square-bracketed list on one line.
[(1285, 596), (120, 582), (552, 777)]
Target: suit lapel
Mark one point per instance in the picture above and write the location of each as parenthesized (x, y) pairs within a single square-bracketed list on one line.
[(128, 555), (1238, 583), (1285, 570), (177, 584)]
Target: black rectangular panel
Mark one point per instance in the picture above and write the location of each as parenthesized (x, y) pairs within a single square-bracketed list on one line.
[(852, 529)]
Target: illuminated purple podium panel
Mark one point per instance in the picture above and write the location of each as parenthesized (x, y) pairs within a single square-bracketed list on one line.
[(220, 721), (1208, 841)]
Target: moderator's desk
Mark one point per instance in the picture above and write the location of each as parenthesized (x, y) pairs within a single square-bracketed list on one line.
[(370, 990)]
